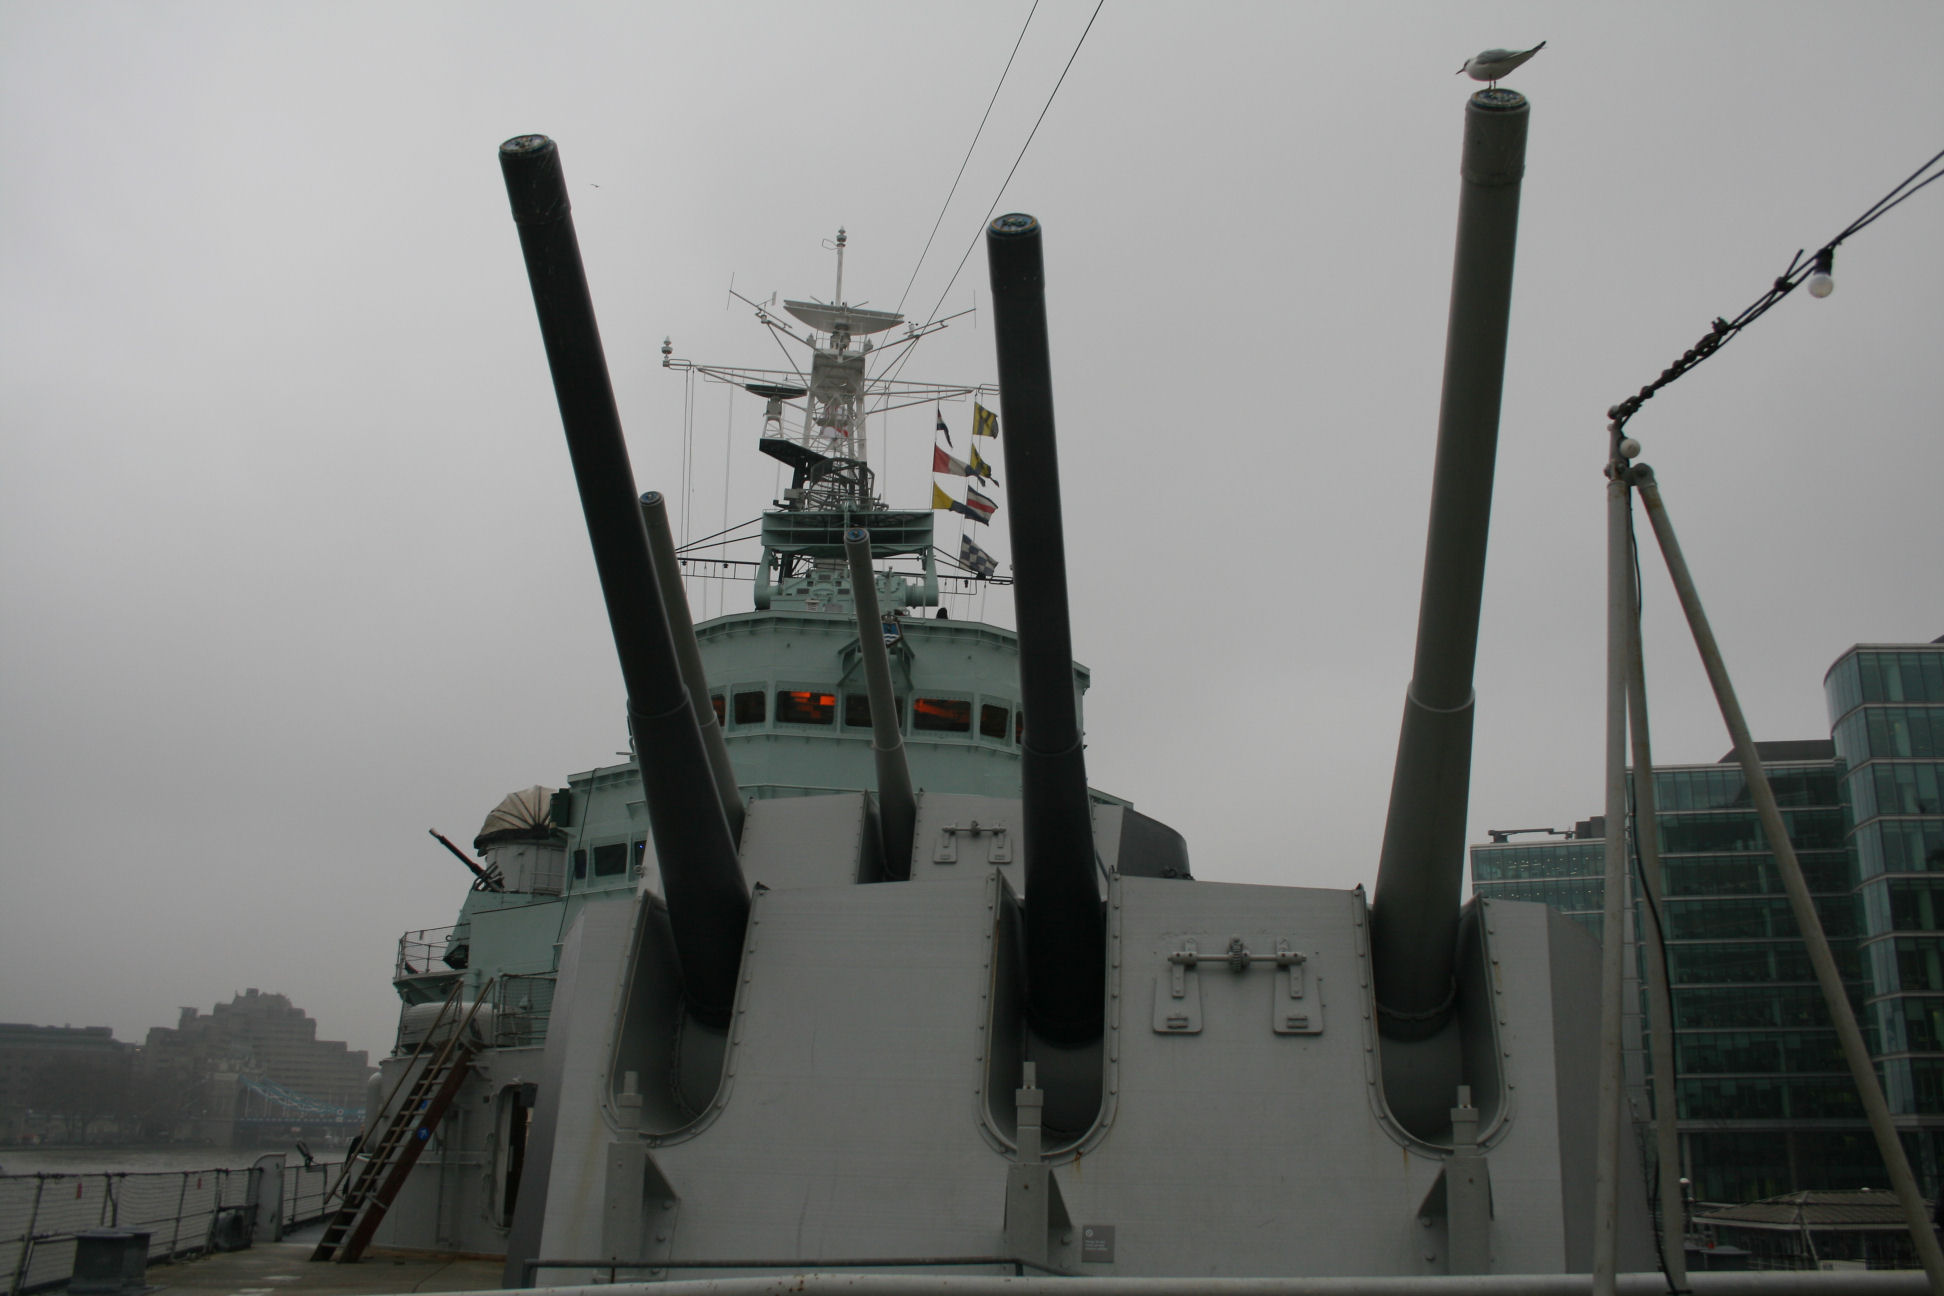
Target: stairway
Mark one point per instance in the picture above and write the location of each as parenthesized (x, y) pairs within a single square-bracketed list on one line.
[(430, 1081)]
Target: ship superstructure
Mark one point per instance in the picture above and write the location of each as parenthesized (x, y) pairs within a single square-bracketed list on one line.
[(787, 697), (849, 967)]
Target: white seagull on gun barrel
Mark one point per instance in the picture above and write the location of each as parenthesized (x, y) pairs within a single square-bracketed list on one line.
[(1491, 64)]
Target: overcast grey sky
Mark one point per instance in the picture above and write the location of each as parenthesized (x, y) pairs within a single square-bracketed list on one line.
[(293, 567)]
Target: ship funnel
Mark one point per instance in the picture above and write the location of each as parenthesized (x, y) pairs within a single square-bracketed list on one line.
[(1414, 912), (702, 881), (1065, 936), (897, 809)]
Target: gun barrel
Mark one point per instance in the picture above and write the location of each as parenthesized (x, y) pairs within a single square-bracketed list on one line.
[(681, 627), (702, 881), (897, 808), (1065, 937), (1414, 912)]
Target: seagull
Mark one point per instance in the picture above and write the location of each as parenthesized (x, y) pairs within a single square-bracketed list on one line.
[(1491, 64)]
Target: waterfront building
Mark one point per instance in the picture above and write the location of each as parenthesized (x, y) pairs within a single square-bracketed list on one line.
[(256, 1059), (64, 1083), (1886, 712), (1766, 1105)]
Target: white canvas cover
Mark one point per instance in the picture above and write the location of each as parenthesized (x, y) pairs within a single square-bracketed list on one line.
[(518, 815)]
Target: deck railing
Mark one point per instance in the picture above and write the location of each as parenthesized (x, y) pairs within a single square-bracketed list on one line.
[(184, 1212), (423, 953)]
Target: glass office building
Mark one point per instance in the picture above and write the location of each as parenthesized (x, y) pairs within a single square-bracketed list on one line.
[(1766, 1105), (1886, 711)]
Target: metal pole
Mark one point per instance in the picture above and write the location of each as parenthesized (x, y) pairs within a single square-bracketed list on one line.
[(1606, 1183), (27, 1238), (182, 1195), (1862, 1070), (1660, 1005)]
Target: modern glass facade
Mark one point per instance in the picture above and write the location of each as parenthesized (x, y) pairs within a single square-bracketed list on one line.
[(1568, 875), (1886, 713), (1766, 1103)]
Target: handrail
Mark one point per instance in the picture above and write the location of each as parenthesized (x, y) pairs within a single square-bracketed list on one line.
[(531, 1266)]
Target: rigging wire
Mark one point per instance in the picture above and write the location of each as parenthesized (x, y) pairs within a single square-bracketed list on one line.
[(697, 544), (1044, 109), (1788, 281), (968, 157), (728, 457), (1047, 107)]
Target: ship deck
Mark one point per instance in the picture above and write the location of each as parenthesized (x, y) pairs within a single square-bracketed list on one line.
[(265, 1269)]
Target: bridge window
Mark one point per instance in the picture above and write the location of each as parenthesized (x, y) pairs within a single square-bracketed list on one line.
[(857, 710), (1019, 726), (992, 722), (941, 715), (611, 860), (750, 708), (580, 864), (715, 700), (805, 706), (639, 854)]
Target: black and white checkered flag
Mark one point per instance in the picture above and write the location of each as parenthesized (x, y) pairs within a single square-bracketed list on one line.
[(976, 558)]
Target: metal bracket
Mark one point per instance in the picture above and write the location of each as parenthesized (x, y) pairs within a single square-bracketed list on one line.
[(1177, 995), (1291, 1014), (998, 844), (1295, 1008)]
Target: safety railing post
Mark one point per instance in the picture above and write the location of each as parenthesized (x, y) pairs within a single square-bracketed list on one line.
[(27, 1238), (182, 1197)]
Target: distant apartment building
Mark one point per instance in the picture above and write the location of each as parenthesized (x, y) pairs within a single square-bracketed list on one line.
[(63, 1083), (254, 1060), (1766, 1105)]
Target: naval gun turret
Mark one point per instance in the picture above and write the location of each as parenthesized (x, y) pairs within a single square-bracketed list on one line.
[(961, 1032)]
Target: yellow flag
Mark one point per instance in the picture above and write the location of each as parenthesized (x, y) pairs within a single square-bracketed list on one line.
[(980, 468), (984, 421), (940, 500)]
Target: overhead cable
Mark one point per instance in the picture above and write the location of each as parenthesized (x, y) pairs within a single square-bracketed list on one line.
[(1815, 271)]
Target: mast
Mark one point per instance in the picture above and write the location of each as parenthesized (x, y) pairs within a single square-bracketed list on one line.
[(832, 487)]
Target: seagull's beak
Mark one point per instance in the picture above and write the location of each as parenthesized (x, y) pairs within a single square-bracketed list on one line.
[(1461, 70)]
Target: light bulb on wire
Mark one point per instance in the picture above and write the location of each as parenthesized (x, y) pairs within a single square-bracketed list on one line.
[(1821, 282)]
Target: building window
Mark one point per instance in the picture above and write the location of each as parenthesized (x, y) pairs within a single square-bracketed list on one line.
[(805, 706), (750, 709), (715, 701), (941, 715), (611, 860), (580, 864)]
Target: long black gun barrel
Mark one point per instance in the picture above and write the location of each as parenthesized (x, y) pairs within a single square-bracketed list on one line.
[(681, 628), (1414, 913), (1065, 937), (702, 881), (487, 881), (897, 808)]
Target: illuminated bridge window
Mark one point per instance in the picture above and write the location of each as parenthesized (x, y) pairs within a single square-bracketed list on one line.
[(942, 715), (715, 700), (804, 706)]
